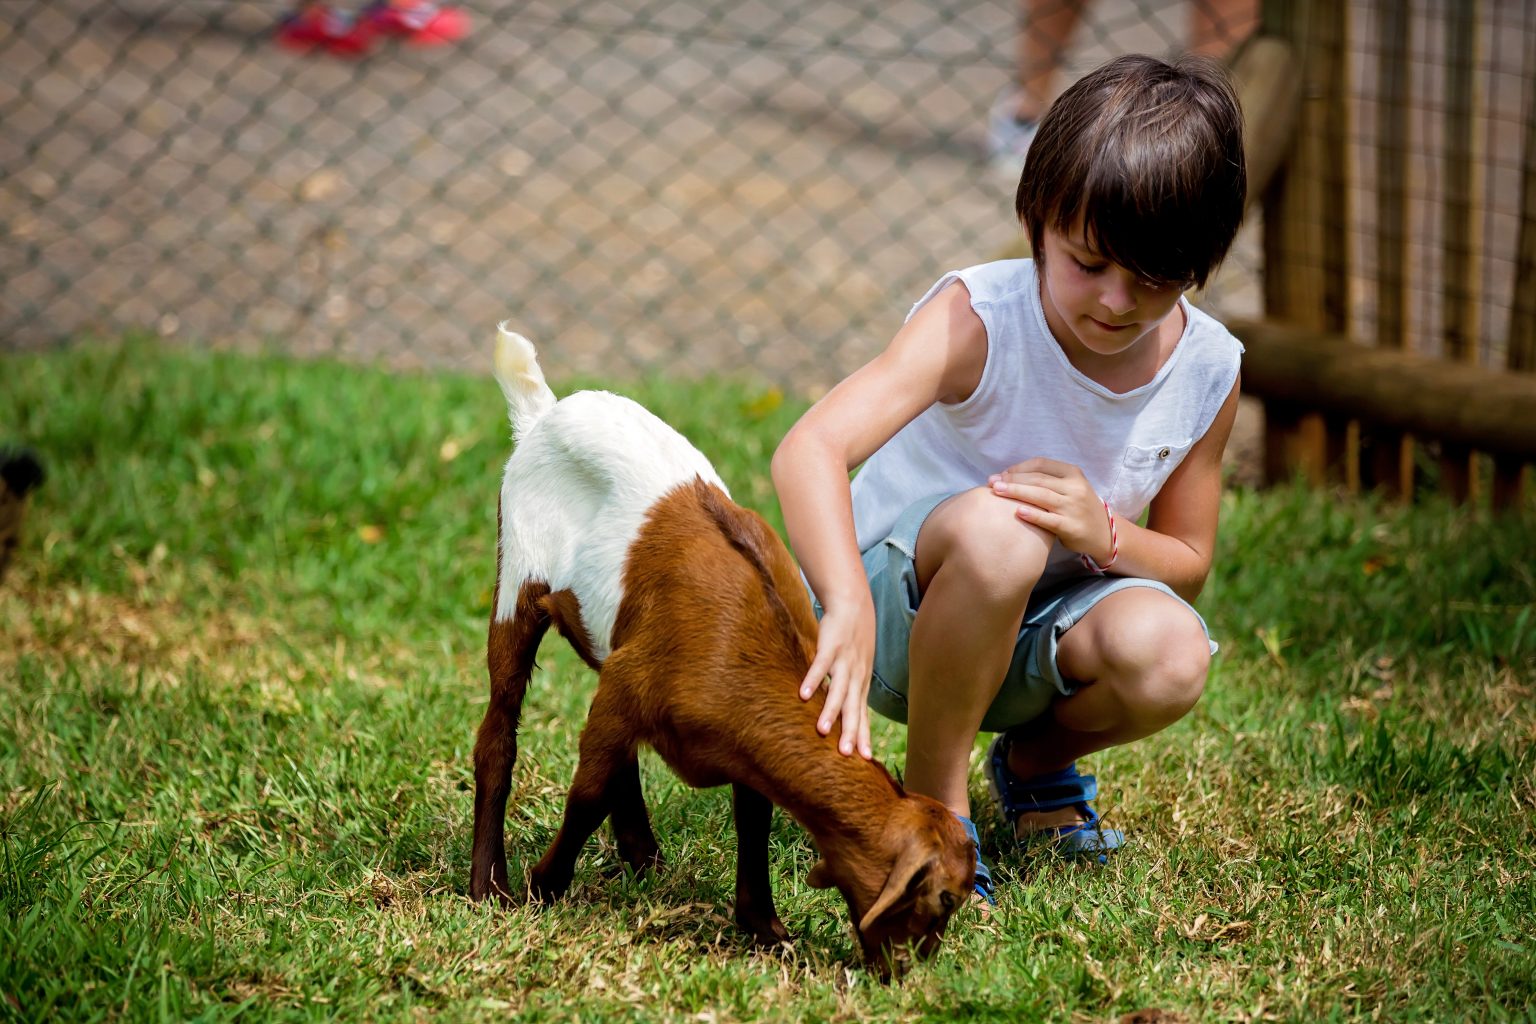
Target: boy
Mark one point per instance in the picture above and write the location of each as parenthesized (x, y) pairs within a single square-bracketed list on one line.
[(985, 569)]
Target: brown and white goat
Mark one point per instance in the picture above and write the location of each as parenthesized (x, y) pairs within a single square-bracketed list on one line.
[(617, 531)]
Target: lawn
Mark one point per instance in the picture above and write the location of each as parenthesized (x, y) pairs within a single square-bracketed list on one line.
[(241, 666)]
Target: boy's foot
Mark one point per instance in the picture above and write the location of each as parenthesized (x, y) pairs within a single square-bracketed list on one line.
[(1054, 806), (321, 26), (1008, 134), (983, 890), (418, 22)]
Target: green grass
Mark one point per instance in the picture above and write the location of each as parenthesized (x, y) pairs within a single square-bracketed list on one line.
[(241, 672)]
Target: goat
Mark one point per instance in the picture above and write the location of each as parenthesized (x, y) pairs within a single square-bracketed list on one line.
[(614, 529)]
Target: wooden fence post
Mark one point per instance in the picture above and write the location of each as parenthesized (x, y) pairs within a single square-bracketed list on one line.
[(1462, 242), (1388, 455), (1520, 356), (1305, 261)]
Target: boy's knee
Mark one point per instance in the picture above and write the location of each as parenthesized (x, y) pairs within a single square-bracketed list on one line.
[(977, 534), (1164, 654), (1183, 677), (1176, 676)]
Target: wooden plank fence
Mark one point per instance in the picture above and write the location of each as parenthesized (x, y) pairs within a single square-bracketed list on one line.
[(1381, 205)]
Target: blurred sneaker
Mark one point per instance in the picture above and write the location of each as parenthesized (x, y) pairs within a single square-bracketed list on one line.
[(418, 22), (321, 26), (1008, 136)]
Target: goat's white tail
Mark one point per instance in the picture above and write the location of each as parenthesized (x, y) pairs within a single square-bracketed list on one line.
[(522, 382)]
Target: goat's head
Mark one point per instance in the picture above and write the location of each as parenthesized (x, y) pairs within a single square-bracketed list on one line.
[(904, 915)]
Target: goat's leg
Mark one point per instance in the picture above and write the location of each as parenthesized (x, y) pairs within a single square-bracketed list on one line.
[(605, 750), (631, 822), (755, 912), (509, 657)]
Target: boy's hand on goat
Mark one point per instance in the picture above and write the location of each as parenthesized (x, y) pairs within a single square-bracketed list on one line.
[(845, 654), (1056, 496)]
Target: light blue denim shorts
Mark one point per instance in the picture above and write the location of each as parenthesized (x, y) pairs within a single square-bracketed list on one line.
[(1033, 678)]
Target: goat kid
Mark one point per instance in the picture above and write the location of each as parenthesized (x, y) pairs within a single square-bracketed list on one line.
[(618, 532)]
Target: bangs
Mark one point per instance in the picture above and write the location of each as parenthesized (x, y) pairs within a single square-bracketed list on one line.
[(1137, 221)]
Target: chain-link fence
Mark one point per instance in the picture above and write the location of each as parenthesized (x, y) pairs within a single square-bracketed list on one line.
[(690, 185)]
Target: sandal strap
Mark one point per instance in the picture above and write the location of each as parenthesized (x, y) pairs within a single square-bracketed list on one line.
[(1053, 790), (1066, 787), (984, 886), (1042, 794)]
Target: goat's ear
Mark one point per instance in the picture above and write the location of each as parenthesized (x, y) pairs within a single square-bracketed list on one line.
[(820, 876), (906, 874)]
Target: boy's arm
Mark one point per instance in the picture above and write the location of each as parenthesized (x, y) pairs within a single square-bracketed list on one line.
[(1178, 542), (937, 356)]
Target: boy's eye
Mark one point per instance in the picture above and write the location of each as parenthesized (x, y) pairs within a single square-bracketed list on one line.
[(1088, 268)]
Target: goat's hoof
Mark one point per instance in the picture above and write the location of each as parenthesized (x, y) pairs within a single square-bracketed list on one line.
[(546, 889), (766, 933), (638, 867), (494, 888), (650, 862), (638, 852)]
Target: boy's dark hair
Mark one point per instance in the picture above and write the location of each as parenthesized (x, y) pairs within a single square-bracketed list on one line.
[(1150, 155)]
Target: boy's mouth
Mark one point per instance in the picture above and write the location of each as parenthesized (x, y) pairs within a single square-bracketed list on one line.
[(1111, 328)]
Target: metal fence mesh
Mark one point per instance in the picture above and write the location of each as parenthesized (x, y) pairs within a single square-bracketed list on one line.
[(690, 186)]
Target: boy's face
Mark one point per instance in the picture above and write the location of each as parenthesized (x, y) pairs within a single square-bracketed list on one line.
[(1093, 303)]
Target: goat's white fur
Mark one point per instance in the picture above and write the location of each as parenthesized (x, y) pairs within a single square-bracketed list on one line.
[(583, 475)]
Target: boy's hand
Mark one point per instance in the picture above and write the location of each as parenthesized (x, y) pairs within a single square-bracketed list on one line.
[(844, 655), (1055, 496)]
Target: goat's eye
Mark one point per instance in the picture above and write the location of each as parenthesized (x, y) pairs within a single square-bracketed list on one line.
[(948, 901)]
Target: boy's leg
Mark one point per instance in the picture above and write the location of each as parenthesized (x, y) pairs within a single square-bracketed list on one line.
[(1140, 658), (977, 564)]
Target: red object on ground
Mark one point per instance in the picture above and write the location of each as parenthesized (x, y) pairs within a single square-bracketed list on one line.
[(419, 24), (319, 26)]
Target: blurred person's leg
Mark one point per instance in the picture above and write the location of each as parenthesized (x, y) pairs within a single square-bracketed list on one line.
[(1046, 28), (1043, 38), (1216, 27)]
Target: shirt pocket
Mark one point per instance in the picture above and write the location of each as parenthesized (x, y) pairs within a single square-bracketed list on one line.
[(1143, 472)]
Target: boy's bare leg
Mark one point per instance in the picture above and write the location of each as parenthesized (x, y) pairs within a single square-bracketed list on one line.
[(977, 564), (1141, 658)]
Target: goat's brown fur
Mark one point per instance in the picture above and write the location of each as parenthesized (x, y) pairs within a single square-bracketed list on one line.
[(715, 620)]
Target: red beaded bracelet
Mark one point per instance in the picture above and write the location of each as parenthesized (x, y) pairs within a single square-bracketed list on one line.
[(1114, 546)]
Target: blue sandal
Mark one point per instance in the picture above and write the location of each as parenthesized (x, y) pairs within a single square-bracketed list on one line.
[(984, 885), (1052, 791)]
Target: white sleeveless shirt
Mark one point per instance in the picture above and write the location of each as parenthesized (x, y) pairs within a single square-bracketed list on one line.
[(1031, 402)]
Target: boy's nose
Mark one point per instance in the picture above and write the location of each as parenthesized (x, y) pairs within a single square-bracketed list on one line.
[(1118, 301), (1118, 294)]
